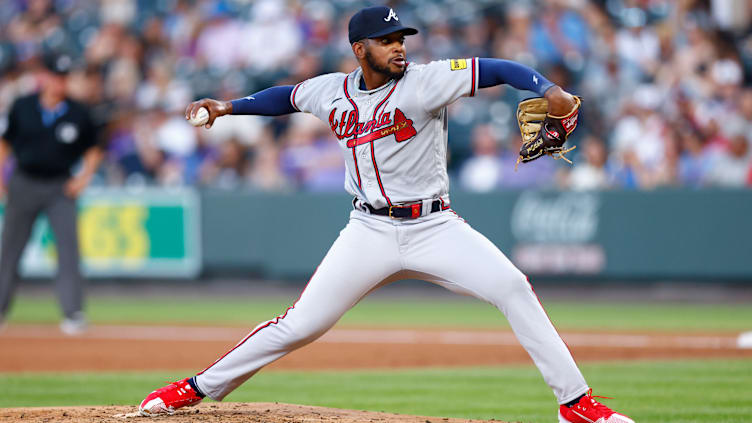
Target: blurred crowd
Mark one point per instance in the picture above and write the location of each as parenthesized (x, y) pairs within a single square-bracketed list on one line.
[(666, 86)]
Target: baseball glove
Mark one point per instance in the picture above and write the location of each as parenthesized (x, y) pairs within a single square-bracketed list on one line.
[(543, 133)]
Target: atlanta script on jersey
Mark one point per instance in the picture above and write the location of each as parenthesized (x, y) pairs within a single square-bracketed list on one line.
[(393, 138)]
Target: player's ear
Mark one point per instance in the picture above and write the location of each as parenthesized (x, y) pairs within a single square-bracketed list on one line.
[(359, 49)]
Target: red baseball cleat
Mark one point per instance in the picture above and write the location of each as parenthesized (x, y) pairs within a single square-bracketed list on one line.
[(588, 410), (168, 399)]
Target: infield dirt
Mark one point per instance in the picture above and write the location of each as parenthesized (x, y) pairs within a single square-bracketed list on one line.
[(33, 348)]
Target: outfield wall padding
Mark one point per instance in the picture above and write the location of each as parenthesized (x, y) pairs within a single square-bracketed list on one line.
[(671, 233)]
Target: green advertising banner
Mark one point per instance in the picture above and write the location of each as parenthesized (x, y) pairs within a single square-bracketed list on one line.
[(124, 233), (659, 234)]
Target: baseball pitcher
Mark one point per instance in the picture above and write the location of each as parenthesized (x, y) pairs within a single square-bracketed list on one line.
[(390, 119)]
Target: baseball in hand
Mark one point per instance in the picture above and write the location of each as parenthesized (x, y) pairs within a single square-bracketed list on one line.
[(202, 116)]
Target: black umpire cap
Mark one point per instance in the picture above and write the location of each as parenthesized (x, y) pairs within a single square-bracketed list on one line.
[(373, 22), (59, 64)]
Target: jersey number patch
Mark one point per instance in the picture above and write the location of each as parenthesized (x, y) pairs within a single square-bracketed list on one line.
[(458, 64)]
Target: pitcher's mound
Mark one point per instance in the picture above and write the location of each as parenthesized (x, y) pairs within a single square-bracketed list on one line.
[(217, 412)]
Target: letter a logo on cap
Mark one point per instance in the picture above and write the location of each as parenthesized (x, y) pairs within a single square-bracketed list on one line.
[(391, 15)]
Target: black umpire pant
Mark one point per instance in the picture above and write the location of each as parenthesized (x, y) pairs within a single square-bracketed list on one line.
[(27, 198)]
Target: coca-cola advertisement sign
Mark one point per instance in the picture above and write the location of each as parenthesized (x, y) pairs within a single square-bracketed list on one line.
[(556, 232), (562, 217)]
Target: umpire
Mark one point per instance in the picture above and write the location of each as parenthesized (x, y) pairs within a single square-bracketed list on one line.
[(48, 134)]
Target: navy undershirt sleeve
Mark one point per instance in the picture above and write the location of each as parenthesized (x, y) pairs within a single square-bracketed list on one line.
[(493, 72), (272, 101)]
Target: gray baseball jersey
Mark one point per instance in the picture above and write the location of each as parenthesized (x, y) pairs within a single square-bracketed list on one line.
[(393, 138)]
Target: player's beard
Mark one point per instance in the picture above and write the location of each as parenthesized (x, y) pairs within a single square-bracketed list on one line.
[(384, 70)]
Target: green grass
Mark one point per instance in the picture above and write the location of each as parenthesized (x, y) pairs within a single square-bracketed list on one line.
[(666, 392), (462, 312)]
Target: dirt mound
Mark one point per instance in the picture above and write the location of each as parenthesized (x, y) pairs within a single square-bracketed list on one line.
[(216, 412)]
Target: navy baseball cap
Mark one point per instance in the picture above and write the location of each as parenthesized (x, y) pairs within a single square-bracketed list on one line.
[(59, 64), (373, 22)]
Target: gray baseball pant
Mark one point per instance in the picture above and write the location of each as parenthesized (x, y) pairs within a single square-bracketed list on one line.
[(27, 198), (372, 251)]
